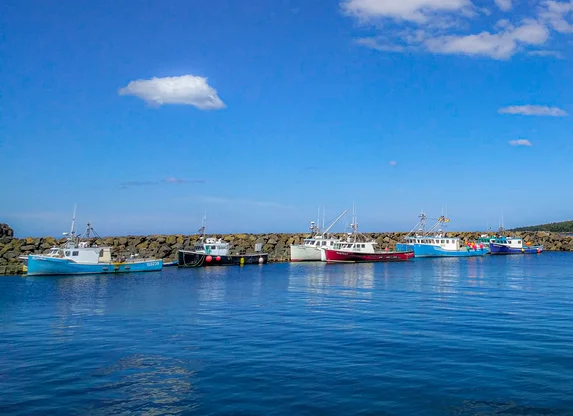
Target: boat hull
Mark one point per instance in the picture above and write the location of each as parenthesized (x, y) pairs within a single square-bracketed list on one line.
[(45, 266), (195, 259), (339, 256), (502, 249), (304, 253), (425, 250)]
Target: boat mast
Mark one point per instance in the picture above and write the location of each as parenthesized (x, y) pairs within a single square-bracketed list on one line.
[(421, 225), (73, 229), (202, 229), (354, 225), (335, 221)]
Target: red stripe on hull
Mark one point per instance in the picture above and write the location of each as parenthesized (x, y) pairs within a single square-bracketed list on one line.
[(357, 257)]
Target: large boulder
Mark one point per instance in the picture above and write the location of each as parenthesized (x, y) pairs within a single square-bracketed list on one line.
[(6, 233)]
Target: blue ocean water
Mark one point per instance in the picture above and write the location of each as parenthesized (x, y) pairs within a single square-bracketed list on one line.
[(476, 336)]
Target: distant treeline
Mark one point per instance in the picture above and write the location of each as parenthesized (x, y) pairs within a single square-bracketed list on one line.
[(556, 227)]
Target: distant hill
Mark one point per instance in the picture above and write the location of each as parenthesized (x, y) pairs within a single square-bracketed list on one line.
[(556, 227)]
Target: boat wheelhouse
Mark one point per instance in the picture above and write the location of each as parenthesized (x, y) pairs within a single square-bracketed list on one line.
[(79, 257), (435, 243), (212, 246), (209, 251), (485, 240), (312, 248)]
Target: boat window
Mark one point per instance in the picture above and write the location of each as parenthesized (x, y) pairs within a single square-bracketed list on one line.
[(75, 253), (67, 253)]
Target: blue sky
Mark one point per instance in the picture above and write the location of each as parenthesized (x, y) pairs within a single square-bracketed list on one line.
[(146, 114)]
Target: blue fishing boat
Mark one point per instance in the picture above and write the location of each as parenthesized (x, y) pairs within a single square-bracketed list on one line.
[(512, 245), (79, 257), (435, 243)]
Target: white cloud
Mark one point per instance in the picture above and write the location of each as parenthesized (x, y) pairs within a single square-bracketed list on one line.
[(392, 163), (504, 5), (533, 110), (410, 10), (441, 26), (186, 89), (501, 45), (520, 142), (558, 14)]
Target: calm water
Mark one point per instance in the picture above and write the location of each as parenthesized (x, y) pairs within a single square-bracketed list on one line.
[(491, 336)]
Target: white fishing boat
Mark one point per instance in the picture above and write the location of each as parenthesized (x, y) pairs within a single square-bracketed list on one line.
[(312, 248)]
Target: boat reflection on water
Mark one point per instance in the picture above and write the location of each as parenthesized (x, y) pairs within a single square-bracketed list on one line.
[(323, 278)]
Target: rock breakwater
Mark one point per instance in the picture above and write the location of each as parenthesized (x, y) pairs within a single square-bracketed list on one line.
[(277, 245)]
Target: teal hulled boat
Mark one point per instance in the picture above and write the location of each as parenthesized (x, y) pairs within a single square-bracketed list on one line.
[(435, 242), (79, 257)]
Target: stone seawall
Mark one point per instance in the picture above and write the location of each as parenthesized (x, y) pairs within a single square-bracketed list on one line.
[(277, 245)]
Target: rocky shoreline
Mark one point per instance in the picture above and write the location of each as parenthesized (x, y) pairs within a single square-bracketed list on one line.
[(277, 245)]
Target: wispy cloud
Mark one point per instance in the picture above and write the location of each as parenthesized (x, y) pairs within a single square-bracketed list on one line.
[(392, 163), (504, 5), (441, 26), (172, 179), (533, 110), (380, 44), (558, 14), (520, 142), (419, 11), (130, 184), (169, 180), (546, 53), (497, 45), (186, 89)]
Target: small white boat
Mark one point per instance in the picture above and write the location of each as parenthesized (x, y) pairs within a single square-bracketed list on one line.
[(312, 249)]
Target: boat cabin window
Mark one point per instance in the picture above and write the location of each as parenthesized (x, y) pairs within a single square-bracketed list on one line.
[(67, 254), (75, 253)]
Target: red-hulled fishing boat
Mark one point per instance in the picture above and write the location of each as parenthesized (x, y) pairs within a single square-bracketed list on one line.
[(356, 249)]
